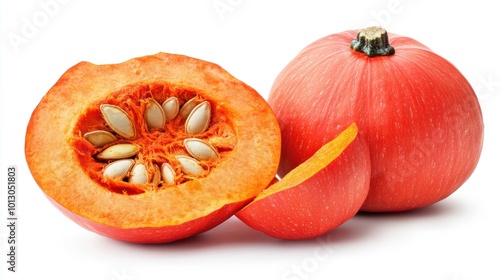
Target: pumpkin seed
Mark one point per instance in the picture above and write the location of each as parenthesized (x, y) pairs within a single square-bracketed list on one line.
[(118, 169), (197, 117), (156, 175), (200, 149), (119, 151), (198, 120), (188, 107), (171, 108), (190, 166), (99, 138), (154, 114), (118, 120), (167, 174), (139, 174)]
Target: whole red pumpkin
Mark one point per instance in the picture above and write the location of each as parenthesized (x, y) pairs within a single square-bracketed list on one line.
[(418, 113)]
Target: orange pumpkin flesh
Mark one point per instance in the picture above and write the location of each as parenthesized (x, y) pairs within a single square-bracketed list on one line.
[(242, 128), (309, 202)]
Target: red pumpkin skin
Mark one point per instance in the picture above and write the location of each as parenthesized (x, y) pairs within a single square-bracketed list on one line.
[(419, 114), (321, 203), (150, 235)]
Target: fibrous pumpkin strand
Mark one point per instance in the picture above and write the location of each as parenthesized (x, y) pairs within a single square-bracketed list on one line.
[(124, 159)]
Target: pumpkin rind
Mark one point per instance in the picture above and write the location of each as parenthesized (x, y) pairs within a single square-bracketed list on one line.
[(241, 175)]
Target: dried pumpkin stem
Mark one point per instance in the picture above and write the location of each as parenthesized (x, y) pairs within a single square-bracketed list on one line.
[(373, 41)]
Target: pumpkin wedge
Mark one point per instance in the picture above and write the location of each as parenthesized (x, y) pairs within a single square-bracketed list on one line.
[(318, 195), (154, 149)]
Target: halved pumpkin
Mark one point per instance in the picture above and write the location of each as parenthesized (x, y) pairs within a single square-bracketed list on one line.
[(116, 157)]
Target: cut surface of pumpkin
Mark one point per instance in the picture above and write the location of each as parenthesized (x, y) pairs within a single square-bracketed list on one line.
[(154, 149), (321, 159)]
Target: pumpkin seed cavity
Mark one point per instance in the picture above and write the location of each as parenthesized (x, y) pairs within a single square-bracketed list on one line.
[(125, 158)]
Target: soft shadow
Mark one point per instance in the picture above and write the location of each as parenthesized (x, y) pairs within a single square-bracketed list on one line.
[(230, 233), (234, 233), (439, 209), (381, 222)]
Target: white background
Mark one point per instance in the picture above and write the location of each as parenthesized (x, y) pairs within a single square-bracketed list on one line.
[(456, 239)]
